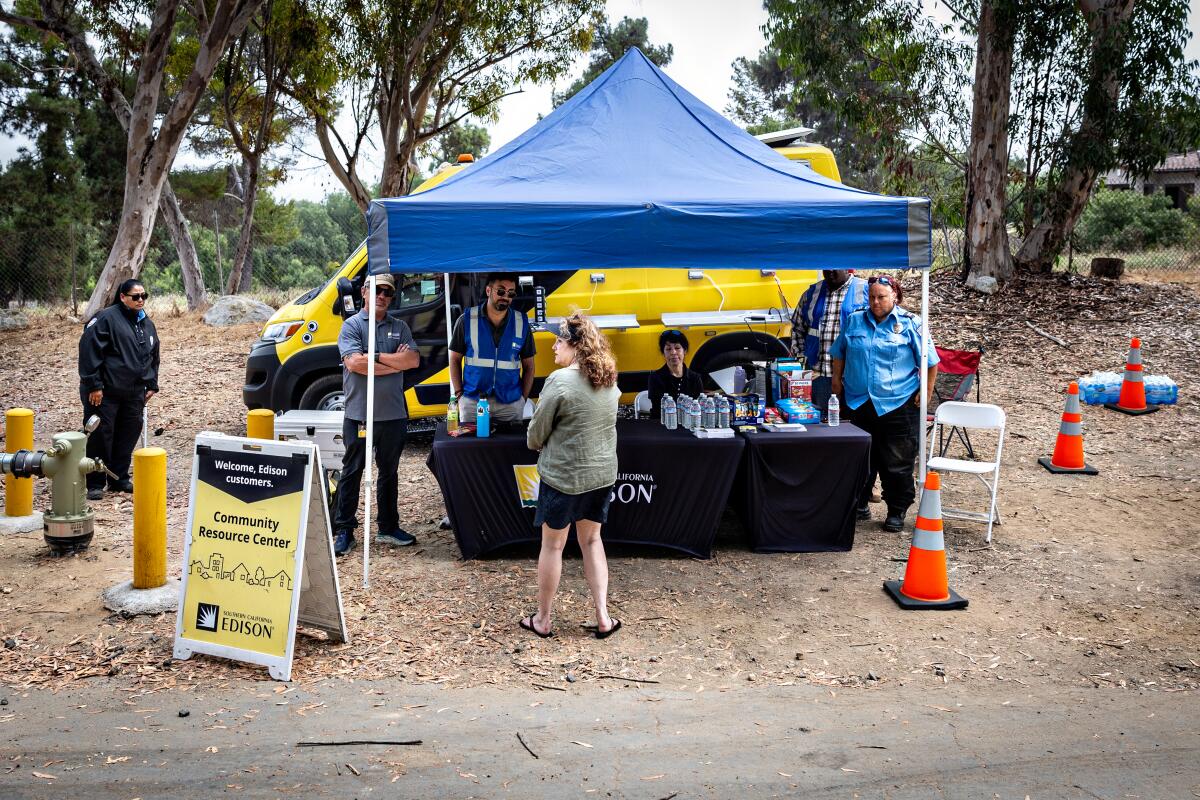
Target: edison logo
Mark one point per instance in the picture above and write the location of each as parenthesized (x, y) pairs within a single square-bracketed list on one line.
[(206, 616)]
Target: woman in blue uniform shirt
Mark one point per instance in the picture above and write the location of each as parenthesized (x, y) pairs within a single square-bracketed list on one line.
[(876, 374)]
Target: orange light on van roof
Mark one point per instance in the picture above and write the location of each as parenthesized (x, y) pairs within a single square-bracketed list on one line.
[(465, 158)]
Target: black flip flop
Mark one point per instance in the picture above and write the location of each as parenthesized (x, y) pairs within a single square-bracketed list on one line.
[(534, 630), (599, 634)]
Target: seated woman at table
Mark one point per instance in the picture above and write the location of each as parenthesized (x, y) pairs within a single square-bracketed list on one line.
[(673, 377), (575, 431), (877, 363)]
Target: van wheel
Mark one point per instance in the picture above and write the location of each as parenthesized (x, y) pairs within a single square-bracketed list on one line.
[(324, 394)]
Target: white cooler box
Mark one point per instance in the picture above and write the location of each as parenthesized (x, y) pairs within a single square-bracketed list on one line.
[(322, 428)]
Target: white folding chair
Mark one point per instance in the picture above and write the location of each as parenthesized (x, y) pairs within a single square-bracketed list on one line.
[(981, 416), (642, 403)]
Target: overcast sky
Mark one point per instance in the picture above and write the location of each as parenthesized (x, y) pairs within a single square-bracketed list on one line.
[(707, 34)]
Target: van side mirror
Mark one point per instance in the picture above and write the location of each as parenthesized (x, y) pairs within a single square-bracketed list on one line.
[(347, 303), (455, 313)]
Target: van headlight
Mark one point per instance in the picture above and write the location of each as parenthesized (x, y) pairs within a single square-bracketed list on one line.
[(281, 331)]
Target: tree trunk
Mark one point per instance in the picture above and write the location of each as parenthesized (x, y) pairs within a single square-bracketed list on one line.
[(151, 148), (57, 22), (128, 249), (1066, 199), (181, 237), (347, 175), (1107, 268), (985, 252), (239, 271)]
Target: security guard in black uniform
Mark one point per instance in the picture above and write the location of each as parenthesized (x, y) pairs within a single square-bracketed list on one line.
[(118, 373)]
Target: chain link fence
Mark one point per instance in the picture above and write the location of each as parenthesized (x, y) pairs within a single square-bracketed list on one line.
[(1164, 263), (58, 266)]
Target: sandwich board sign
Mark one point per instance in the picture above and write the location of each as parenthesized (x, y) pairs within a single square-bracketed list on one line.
[(257, 557)]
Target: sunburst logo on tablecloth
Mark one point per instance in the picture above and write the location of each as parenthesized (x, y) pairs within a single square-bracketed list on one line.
[(528, 483)]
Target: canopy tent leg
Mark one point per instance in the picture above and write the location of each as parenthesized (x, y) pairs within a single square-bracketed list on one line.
[(924, 370), (368, 468), (449, 324)]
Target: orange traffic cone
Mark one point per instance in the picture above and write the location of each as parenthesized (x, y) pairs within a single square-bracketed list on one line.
[(926, 585), (1068, 450), (1133, 392)]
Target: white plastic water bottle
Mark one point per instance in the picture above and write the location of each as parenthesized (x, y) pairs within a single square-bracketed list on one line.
[(722, 412), (835, 411), (708, 412), (669, 413)]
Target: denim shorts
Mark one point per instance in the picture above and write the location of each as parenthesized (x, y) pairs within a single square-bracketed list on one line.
[(559, 509)]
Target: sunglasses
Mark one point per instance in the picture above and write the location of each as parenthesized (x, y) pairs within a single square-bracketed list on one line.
[(498, 292), (386, 291), (136, 296), (881, 279)]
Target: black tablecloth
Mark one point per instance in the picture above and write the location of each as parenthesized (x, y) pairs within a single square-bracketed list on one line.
[(671, 490), (797, 492)]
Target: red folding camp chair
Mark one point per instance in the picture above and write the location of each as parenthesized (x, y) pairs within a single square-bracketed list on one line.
[(957, 373)]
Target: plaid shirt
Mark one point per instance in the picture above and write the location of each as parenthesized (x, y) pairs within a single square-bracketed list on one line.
[(828, 330)]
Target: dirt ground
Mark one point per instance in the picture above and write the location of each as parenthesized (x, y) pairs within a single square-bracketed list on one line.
[(1089, 582)]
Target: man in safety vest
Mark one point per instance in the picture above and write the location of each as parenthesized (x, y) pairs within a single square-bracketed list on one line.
[(819, 318), (491, 354)]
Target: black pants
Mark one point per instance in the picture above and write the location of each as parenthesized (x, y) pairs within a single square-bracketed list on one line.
[(120, 413), (893, 452), (388, 444)]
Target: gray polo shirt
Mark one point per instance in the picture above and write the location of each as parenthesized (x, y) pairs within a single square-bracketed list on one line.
[(390, 333)]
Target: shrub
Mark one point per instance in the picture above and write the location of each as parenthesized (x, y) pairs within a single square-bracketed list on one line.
[(1127, 221)]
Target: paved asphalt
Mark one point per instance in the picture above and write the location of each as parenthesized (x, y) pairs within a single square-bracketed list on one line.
[(624, 742)]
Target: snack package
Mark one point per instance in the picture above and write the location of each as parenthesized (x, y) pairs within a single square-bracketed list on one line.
[(799, 411)]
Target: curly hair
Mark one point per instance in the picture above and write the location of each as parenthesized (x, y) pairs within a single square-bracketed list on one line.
[(593, 352)]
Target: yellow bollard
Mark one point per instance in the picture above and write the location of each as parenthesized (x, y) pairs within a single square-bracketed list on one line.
[(149, 518), (18, 492), (260, 424)]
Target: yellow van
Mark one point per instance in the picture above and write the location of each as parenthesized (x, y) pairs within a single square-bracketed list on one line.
[(730, 317)]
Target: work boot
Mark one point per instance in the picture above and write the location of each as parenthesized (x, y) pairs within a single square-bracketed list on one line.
[(863, 512), (343, 543), (125, 486), (95, 494), (894, 522)]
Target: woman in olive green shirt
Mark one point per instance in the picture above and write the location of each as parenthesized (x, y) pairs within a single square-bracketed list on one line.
[(575, 431)]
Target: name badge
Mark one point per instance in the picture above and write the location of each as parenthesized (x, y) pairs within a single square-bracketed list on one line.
[(896, 327)]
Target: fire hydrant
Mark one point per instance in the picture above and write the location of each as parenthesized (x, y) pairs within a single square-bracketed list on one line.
[(68, 526)]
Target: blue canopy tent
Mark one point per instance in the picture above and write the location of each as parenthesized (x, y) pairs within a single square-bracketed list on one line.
[(636, 172)]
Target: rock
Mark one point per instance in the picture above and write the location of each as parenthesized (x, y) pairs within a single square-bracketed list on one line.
[(3, 701), (12, 320), (871, 676), (444, 524), (983, 284), (570, 677), (10, 644), (236, 310), (183, 712)]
